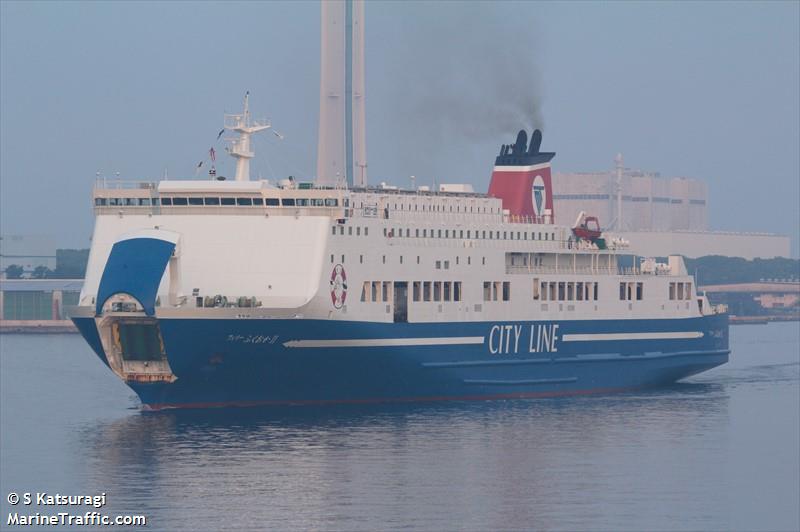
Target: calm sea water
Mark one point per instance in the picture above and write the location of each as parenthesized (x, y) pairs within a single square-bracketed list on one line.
[(720, 451)]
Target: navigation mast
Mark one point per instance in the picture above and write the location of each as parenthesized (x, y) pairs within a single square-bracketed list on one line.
[(240, 147)]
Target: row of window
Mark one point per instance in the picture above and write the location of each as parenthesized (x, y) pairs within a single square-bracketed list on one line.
[(381, 291), (214, 201), (436, 291), (565, 291), (631, 291), (349, 230), (468, 233), (448, 233), (430, 208), (439, 263), (441, 208), (680, 291), (496, 291)]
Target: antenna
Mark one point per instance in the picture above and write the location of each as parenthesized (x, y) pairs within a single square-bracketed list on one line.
[(240, 147)]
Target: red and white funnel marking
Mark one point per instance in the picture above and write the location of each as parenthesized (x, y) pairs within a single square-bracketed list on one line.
[(521, 178)]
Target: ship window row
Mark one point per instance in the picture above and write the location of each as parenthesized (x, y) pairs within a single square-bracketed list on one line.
[(215, 201), (565, 290), (350, 231), (436, 291), (441, 208), (434, 207), (496, 291), (376, 291), (680, 291), (381, 291), (470, 234), (629, 291)]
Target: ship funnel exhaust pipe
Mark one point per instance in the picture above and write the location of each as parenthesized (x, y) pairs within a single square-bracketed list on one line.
[(521, 178)]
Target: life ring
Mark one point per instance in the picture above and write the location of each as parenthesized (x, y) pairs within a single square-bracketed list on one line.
[(338, 286)]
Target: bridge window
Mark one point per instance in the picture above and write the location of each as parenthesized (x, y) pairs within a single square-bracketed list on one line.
[(180, 201), (258, 201), (272, 202), (99, 202), (228, 201), (211, 201), (195, 201), (164, 201), (244, 201), (288, 202)]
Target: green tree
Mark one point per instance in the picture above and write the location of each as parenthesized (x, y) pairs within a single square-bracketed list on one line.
[(14, 271), (41, 272)]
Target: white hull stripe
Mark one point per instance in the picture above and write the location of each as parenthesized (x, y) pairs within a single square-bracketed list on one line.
[(632, 336), (386, 342)]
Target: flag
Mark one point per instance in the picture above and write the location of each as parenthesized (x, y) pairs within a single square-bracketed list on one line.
[(213, 154), (221, 131), (200, 164)]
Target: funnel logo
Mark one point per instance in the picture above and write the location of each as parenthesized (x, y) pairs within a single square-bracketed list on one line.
[(539, 196)]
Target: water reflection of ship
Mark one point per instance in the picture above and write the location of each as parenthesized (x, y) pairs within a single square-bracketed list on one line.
[(353, 455)]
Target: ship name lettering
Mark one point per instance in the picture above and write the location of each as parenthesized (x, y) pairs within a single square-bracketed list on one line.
[(504, 339), (543, 339)]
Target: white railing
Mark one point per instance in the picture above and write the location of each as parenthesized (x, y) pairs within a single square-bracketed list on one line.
[(112, 183)]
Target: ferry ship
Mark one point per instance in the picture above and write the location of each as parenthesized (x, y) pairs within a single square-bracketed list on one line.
[(213, 292)]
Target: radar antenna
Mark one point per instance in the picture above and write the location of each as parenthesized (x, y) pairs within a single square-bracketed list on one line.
[(240, 147)]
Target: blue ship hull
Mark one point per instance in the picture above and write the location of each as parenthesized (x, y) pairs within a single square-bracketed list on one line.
[(241, 362)]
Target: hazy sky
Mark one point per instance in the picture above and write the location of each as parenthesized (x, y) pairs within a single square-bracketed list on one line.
[(704, 90)]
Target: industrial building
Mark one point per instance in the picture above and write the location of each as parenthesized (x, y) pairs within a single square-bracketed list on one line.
[(658, 215), (646, 200), (38, 304)]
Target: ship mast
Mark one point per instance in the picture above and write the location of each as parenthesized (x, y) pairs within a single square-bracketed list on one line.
[(240, 147)]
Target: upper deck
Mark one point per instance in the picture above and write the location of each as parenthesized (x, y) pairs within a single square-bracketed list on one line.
[(261, 198)]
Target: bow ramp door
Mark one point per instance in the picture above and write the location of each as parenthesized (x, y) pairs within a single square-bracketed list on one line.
[(126, 301)]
